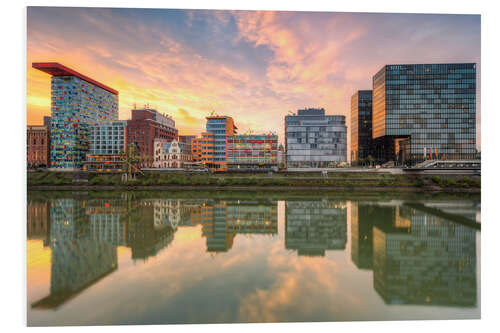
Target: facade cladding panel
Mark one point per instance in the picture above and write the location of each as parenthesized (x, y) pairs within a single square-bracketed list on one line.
[(313, 139), (76, 105), (433, 106), (252, 151), (361, 124)]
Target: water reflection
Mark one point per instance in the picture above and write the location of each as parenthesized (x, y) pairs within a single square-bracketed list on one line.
[(312, 227), (416, 257), (421, 253)]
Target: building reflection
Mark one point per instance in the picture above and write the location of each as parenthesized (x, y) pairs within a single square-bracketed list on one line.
[(313, 227), (38, 226), (220, 220), (416, 257), (77, 259)]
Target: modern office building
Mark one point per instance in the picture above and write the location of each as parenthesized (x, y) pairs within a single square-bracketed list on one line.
[(361, 125), (77, 102), (107, 142), (252, 151), (314, 139), (38, 146), (424, 111), (144, 127), (218, 129)]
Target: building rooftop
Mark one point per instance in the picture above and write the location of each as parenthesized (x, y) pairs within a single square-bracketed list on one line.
[(56, 69)]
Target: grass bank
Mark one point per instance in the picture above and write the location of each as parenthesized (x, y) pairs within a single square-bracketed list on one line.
[(45, 180)]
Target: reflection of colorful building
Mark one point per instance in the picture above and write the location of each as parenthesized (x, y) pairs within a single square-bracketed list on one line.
[(252, 151), (77, 103), (77, 260), (431, 260), (312, 227)]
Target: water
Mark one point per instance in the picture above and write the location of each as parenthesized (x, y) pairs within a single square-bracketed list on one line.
[(158, 258)]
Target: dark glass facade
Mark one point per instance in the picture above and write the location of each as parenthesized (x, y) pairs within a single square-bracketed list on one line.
[(361, 124), (425, 111), (315, 140)]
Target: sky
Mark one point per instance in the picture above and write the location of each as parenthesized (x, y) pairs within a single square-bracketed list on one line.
[(254, 66)]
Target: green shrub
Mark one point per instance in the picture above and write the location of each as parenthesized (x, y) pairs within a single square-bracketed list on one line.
[(418, 182), (95, 181), (382, 182), (437, 180), (451, 182)]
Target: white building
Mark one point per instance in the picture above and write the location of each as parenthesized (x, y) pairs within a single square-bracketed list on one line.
[(171, 154)]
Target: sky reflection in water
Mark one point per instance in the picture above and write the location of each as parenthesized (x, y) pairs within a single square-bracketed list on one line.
[(123, 259)]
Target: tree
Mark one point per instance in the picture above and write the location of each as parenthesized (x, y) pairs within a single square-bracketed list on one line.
[(131, 160), (361, 161), (371, 159)]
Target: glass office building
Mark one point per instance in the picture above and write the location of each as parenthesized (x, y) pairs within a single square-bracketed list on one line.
[(219, 127), (77, 103), (315, 140), (108, 139), (361, 124), (425, 112)]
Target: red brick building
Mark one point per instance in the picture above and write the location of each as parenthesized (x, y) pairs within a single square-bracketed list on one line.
[(145, 126), (38, 146)]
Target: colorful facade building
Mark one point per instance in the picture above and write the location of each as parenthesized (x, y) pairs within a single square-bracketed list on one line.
[(145, 126), (252, 151), (107, 144), (38, 146), (77, 103), (171, 154)]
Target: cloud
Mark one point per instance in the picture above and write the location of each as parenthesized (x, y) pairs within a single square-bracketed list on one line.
[(252, 65)]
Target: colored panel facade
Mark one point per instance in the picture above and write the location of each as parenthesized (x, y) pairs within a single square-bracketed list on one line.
[(145, 126), (38, 146), (313, 139), (77, 103), (361, 124), (432, 106), (252, 151)]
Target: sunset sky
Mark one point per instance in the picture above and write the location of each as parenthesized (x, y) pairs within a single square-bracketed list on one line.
[(253, 66)]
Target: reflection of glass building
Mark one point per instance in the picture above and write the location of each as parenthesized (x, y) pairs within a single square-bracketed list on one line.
[(424, 259), (313, 139), (362, 235), (77, 102), (77, 260), (425, 111), (312, 227), (361, 124)]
